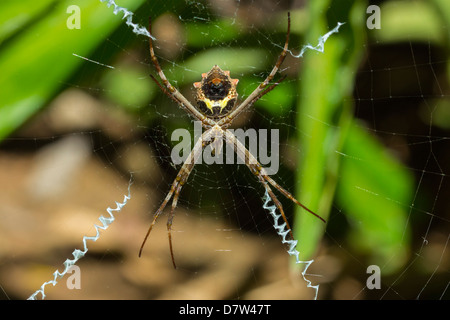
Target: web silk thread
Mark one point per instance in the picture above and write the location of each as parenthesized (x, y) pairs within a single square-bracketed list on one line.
[(128, 15), (292, 244), (139, 30), (321, 42), (281, 229), (78, 254)]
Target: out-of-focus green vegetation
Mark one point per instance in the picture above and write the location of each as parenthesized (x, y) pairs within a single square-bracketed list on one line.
[(341, 163), (37, 47), (326, 113)]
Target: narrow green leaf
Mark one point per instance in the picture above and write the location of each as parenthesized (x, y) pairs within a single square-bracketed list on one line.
[(15, 14), (374, 191), (325, 113), (35, 64)]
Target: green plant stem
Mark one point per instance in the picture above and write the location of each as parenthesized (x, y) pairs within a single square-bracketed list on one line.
[(325, 114)]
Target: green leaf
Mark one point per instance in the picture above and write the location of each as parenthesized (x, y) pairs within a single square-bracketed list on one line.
[(36, 63), (374, 191), (13, 15), (325, 113), (410, 21), (372, 187)]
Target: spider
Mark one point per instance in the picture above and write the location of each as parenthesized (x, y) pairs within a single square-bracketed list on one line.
[(216, 98)]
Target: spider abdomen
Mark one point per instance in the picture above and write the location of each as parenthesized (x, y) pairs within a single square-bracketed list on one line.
[(216, 93)]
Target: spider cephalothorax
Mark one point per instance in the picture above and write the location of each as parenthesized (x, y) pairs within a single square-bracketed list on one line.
[(216, 94)]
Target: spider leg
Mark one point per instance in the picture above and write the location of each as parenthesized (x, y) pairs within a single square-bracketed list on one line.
[(256, 168), (171, 90), (259, 91), (291, 197), (266, 91), (262, 93), (158, 212), (166, 92), (170, 220), (276, 202), (175, 189)]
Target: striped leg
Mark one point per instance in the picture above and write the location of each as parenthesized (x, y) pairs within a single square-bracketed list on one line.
[(171, 91), (256, 168), (175, 189), (258, 92)]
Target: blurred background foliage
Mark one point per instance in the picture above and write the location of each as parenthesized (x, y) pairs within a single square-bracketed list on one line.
[(344, 172)]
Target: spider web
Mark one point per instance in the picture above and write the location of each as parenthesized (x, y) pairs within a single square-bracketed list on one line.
[(224, 239)]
